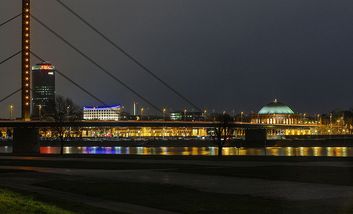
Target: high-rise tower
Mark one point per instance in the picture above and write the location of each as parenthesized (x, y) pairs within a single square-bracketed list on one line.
[(26, 60), (43, 90)]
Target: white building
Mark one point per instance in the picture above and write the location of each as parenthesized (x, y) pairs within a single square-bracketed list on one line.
[(102, 113)]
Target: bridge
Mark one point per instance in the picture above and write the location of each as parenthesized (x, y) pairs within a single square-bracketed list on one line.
[(151, 123), (27, 53), (26, 130)]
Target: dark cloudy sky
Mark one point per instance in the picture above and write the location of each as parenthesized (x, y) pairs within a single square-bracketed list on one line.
[(222, 54)]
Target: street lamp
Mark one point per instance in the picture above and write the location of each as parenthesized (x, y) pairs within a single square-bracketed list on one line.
[(205, 114), (185, 114), (40, 112), (164, 110), (241, 116), (330, 119), (233, 113), (318, 119), (142, 109), (11, 111)]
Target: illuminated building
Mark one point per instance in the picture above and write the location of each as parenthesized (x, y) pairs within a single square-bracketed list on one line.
[(145, 132), (176, 115), (276, 113), (43, 86), (102, 113), (185, 115)]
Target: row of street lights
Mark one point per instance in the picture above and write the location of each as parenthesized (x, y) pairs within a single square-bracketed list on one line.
[(12, 109)]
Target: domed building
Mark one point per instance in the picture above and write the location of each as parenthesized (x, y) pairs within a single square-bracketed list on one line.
[(275, 113)]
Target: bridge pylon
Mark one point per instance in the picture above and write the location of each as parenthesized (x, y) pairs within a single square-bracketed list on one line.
[(26, 60)]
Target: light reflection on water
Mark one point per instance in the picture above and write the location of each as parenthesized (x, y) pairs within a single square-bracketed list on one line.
[(203, 151), (206, 151)]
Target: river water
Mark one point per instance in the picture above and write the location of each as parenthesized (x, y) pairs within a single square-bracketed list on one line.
[(204, 151)]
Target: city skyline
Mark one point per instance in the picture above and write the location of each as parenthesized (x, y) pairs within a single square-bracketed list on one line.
[(248, 68), (159, 106)]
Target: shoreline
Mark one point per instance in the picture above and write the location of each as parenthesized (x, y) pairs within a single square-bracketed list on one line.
[(298, 141)]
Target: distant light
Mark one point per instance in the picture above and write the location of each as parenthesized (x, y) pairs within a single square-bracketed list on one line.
[(44, 67), (101, 107)]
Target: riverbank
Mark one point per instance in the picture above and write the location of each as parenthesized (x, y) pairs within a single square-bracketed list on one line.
[(184, 184), (11, 202)]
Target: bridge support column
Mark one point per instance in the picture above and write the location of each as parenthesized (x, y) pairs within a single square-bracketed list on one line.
[(255, 137), (26, 140), (26, 60)]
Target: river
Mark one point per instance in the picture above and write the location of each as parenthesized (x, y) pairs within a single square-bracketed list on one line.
[(203, 151)]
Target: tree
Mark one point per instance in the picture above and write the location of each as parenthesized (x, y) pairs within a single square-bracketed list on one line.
[(223, 132), (65, 111)]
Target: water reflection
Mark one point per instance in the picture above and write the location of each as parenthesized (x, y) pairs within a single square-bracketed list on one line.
[(203, 151), (206, 151)]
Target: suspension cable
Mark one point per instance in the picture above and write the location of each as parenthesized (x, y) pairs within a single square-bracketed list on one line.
[(128, 55), (96, 64), (72, 81), (10, 95), (9, 20), (10, 57)]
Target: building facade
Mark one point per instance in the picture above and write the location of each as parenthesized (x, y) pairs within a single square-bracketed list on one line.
[(43, 90), (276, 113), (102, 113), (184, 115)]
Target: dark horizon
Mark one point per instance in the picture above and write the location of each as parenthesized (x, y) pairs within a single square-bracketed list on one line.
[(224, 55)]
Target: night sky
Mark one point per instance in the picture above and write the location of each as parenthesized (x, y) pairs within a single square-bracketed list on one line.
[(221, 54)]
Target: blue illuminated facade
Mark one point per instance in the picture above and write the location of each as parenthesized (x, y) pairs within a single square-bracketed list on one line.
[(107, 113)]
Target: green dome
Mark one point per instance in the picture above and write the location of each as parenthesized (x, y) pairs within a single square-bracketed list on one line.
[(276, 108)]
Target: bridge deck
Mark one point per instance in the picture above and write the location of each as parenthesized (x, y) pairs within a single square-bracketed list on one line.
[(155, 123)]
